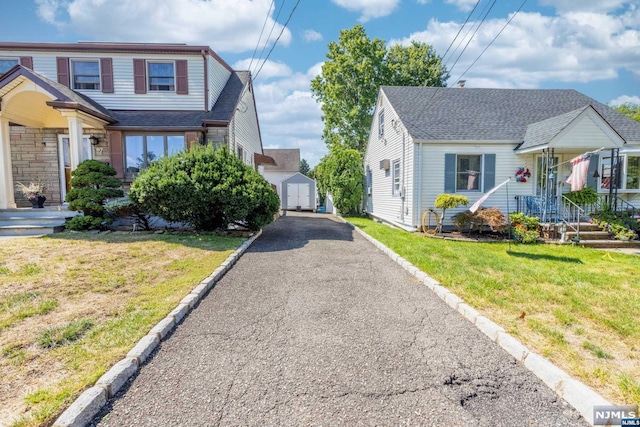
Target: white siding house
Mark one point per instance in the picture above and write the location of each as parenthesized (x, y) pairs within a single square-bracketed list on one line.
[(134, 102), (428, 141)]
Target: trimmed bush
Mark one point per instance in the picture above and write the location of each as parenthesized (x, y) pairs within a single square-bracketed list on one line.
[(92, 184), (207, 189)]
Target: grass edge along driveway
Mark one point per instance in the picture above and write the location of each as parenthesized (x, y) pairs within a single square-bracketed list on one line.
[(579, 307), (73, 304)]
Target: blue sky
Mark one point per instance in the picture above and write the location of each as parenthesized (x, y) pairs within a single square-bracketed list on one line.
[(592, 46)]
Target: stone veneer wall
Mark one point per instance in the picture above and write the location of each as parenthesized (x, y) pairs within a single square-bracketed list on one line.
[(34, 161)]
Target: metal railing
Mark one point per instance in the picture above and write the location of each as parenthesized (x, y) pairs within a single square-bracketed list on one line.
[(570, 217)]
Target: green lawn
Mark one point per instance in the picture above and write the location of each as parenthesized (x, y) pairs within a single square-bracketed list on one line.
[(73, 304), (581, 305)]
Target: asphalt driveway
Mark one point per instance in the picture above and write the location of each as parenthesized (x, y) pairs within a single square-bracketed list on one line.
[(315, 326)]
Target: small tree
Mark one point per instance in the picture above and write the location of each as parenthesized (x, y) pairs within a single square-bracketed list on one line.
[(207, 189), (341, 174), (304, 167), (92, 184), (449, 201)]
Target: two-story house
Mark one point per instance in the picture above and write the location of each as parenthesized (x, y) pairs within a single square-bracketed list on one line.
[(122, 103)]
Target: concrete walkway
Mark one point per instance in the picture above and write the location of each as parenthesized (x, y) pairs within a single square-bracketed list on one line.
[(315, 326)]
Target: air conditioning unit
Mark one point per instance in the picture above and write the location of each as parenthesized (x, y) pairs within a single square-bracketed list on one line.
[(385, 164)]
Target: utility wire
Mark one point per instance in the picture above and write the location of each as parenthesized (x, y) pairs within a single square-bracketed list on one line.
[(277, 39), (494, 39), (459, 31), (473, 35), (275, 22), (468, 30), (264, 24)]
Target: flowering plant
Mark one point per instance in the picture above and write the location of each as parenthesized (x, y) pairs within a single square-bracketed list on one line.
[(32, 190), (522, 174)]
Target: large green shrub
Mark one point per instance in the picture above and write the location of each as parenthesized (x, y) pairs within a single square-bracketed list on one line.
[(341, 174), (206, 188), (92, 184)]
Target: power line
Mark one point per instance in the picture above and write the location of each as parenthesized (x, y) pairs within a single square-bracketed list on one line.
[(494, 39), (277, 39), (473, 35), (264, 24), (275, 21), (460, 30)]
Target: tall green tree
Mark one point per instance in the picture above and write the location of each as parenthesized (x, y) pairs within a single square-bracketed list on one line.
[(304, 167), (630, 110), (356, 66)]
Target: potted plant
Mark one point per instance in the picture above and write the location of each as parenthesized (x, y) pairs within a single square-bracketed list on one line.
[(34, 193)]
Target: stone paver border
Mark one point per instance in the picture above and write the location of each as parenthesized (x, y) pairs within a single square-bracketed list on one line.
[(574, 392), (91, 401)]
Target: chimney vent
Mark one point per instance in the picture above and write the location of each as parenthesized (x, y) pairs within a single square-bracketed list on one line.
[(461, 83)]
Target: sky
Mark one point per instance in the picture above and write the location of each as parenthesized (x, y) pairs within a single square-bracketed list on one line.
[(592, 46)]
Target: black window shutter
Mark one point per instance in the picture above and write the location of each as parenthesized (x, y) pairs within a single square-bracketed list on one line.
[(449, 173), (489, 172)]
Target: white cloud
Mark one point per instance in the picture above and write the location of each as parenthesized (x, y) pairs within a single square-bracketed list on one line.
[(465, 5), (625, 99), (267, 69), (311, 36), (290, 117), (575, 47), (368, 9), (225, 26)]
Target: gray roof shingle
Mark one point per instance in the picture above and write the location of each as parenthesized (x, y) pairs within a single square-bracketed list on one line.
[(471, 114)]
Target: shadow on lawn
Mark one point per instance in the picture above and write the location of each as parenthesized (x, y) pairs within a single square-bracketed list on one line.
[(546, 256)]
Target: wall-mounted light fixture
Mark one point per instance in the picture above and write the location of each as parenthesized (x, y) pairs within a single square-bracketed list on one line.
[(94, 140), (596, 174)]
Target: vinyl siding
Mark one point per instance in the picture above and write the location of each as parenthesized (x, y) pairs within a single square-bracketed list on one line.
[(244, 130), (507, 162), (587, 132), (382, 203), (124, 97), (218, 76)]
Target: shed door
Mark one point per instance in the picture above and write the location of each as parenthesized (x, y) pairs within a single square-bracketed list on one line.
[(298, 195)]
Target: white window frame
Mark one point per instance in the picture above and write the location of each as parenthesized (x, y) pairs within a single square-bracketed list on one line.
[(479, 178), (381, 124), (73, 74), (624, 158), (149, 76), (396, 179)]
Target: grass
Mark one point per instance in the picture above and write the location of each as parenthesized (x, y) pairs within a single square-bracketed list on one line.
[(73, 304), (581, 305)]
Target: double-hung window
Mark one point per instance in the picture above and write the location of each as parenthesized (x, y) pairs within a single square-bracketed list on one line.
[(161, 76), (85, 74), (633, 173), (7, 63), (381, 124), (397, 181), (141, 150), (468, 170)]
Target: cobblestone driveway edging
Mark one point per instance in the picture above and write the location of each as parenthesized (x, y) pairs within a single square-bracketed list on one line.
[(577, 394), (89, 403)]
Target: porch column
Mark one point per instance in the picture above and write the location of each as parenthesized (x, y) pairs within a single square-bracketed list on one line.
[(75, 140), (7, 199)]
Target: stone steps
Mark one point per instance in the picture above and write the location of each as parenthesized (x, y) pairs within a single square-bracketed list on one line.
[(33, 222)]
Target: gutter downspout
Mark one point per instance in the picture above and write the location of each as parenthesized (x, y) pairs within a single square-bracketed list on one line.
[(419, 190), (206, 80)]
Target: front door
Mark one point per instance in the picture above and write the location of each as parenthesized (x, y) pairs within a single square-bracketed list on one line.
[(65, 161)]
